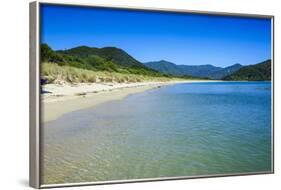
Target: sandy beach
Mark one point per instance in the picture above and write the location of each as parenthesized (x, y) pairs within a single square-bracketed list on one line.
[(58, 99)]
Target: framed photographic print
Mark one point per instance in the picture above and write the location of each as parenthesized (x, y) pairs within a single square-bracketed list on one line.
[(128, 94)]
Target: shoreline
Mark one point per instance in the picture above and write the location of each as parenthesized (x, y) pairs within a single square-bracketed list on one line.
[(58, 100)]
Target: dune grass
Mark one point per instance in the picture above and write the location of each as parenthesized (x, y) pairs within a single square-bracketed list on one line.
[(53, 73)]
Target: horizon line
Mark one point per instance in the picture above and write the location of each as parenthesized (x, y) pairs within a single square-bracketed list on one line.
[(65, 49)]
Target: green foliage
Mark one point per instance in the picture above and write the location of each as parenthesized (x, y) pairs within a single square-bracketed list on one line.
[(54, 73), (225, 71), (112, 54), (258, 72), (47, 54), (97, 59), (100, 63)]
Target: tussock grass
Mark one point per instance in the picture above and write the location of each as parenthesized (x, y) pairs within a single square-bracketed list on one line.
[(53, 73)]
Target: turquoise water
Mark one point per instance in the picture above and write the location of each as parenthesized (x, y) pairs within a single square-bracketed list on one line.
[(177, 130)]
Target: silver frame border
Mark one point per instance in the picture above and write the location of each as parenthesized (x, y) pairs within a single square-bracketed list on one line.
[(34, 96), (34, 93)]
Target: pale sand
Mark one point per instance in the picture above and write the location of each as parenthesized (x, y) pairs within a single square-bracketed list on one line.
[(60, 99)]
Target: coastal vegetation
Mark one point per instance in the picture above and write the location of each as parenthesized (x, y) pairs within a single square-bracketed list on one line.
[(89, 64), (257, 72), (104, 59), (54, 73)]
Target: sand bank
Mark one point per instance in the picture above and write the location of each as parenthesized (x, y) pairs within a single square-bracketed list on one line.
[(60, 99)]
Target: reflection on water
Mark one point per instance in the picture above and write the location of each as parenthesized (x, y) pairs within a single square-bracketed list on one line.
[(178, 130)]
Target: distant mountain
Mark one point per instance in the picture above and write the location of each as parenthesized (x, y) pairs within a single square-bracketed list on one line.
[(199, 70), (165, 67), (257, 72), (209, 71), (225, 71)]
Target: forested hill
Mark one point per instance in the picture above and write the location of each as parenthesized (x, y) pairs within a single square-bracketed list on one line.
[(225, 71), (257, 72), (113, 54), (98, 59)]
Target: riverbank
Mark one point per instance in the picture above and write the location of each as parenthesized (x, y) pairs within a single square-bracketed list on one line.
[(60, 99)]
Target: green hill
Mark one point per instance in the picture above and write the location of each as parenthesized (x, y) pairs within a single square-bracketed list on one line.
[(257, 72), (97, 59), (116, 55), (48, 55), (87, 64)]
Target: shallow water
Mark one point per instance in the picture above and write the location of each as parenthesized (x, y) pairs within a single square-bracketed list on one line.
[(177, 130)]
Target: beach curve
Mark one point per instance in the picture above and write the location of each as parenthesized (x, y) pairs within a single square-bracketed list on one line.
[(58, 100)]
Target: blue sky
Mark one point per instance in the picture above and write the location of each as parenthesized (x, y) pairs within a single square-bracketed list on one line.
[(189, 39)]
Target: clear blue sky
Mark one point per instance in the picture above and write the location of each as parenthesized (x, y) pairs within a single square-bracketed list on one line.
[(188, 39)]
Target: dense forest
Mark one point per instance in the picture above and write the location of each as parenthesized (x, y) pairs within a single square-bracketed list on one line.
[(257, 72)]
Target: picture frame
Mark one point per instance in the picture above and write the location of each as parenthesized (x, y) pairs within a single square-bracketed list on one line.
[(35, 133)]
